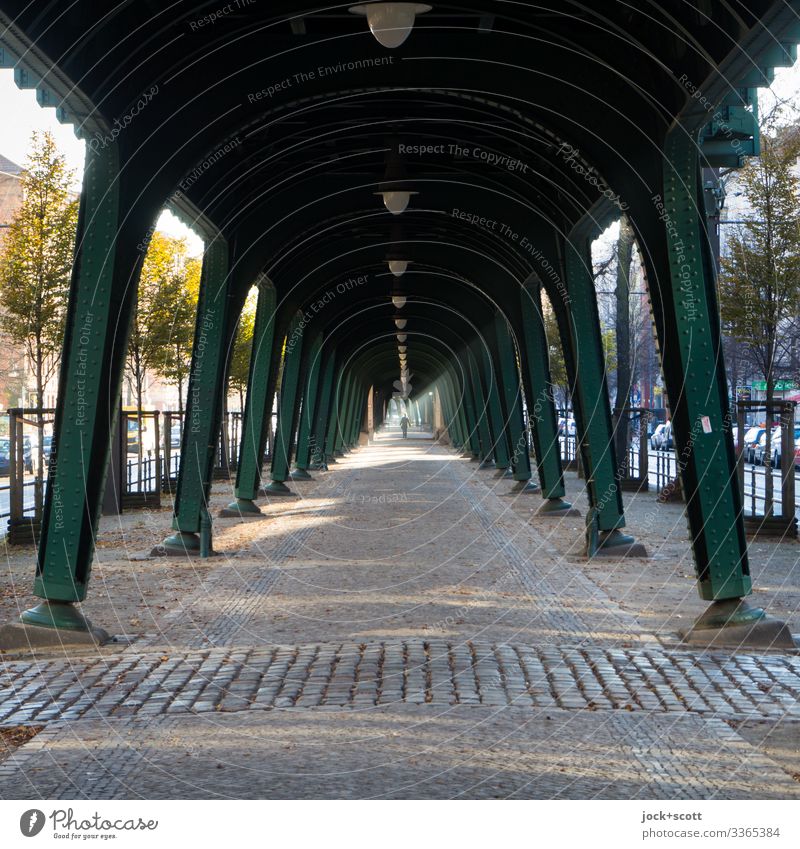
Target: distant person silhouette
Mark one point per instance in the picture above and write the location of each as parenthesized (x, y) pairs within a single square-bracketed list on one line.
[(404, 426)]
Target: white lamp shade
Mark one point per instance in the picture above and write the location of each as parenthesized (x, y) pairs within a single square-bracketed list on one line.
[(399, 301), (402, 348), (398, 266), (396, 202), (400, 323), (391, 23), (401, 337)]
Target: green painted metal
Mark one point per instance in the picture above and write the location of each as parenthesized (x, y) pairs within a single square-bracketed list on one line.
[(694, 373), (317, 439), (95, 342), (309, 407), (512, 395), (482, 409), (356, 413), (205, 397), (461, 413), (534, 355), (260, 396), (339, 411), (62, 615), (332, 418), (494, 417), (590, 394), (470, 410), (290, 398)]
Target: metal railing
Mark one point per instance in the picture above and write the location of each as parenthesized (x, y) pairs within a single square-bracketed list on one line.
[(148, 453)]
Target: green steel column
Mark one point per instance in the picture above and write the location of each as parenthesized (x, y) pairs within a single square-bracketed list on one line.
[(318, 460), (332, 423), (350, 416), (541, 409), (461, 413), (695, 377), (473, 446), (590, 395), (356, 415), (482, 410), (450, 405), (341, 406), (98, 321), (257, 405), (458, 432), (499, 445), (508, 372), (204, 404), (308, 412), (288, 409)]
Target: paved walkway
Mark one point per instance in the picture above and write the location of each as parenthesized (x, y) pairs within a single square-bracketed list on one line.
[(399, 631)]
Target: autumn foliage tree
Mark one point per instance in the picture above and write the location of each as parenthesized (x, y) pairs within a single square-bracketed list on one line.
[(163, 322), (760, 274), (36, 264)]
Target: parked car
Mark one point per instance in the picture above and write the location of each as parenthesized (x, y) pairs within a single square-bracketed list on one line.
[(775, 447), (5, 455), (751, 438), (661, 440)]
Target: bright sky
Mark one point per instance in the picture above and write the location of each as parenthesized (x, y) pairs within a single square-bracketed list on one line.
[(22, 115)]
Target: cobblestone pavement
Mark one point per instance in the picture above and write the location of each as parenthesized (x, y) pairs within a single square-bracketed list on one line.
[(411, 672), (401, 630)]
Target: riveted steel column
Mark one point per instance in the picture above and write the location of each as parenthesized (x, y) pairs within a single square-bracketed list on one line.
[(509, 378), (538, 389), (494, 418), (355, 415), (481, 410), (695, 378), (204, 404), (339, 411), (288, 408), (95, 340), (590, 394), (317, 441), (332, 423), (459, 434), (257, 405), (473, 446), (308, 411)]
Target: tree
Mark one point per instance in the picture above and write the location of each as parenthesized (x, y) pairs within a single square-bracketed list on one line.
[(174, 330), (558, 365), (239, 363), (760, 274), (624, 369), (163, 313), (36, 265)]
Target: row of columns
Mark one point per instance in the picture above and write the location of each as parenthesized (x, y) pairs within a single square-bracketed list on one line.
[(482, 391)]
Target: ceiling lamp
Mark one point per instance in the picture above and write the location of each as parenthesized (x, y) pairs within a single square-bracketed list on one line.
[(402, 349), (399, 301), (398, 266), (391, 23), (401, 337), (396, 201), (400, 323)]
